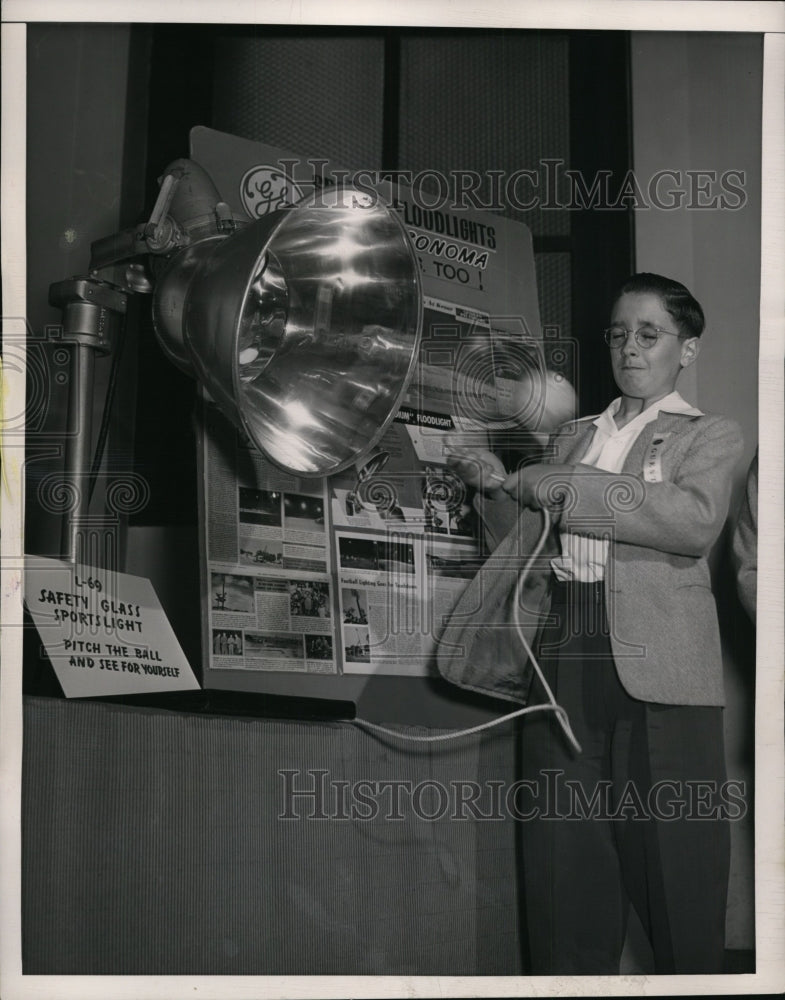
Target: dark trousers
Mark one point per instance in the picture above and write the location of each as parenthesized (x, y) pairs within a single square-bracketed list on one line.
[(639, 817)]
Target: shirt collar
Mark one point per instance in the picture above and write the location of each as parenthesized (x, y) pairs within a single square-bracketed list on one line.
[(672, 403)]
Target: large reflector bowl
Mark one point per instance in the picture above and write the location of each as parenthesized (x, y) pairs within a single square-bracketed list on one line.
[(304, 326)]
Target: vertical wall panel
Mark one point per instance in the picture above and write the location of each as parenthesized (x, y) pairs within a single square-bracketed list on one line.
[(76, 100), (317, 95), (487, 101), (553, 289), (496, 102), (711, 86)]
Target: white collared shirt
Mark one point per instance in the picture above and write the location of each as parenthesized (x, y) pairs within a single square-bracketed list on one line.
[(583, 558)]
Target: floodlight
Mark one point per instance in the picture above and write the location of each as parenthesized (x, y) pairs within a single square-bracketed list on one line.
[(303, 326)]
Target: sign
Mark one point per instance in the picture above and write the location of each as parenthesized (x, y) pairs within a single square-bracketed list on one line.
[(105, 632)]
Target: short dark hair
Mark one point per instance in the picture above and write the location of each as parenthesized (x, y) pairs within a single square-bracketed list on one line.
[(676, 298)]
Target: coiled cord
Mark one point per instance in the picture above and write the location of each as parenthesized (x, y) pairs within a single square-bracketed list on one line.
[(549, 706)]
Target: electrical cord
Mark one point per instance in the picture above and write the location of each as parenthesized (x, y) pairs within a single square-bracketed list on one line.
[(549, 706)]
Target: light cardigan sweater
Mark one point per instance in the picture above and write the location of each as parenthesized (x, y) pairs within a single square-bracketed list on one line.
[(582, 557), (662, 512)]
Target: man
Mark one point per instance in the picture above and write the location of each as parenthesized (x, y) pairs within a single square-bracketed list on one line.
[(620, 610)]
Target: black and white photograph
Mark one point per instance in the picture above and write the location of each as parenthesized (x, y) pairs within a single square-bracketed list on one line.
[(358, 553), (260, 552), (227, 642), (376, 554), (317, 232), (274, 645), (318, 647), (232, 593), (303, 513), (309, 598), (260, 507), (395, 557), (355, 606), (357, 647)]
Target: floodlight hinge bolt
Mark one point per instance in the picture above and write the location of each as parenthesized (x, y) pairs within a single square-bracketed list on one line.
[(225, 222), (164, 236)]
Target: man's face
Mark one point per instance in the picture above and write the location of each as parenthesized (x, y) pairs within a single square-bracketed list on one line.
[(648, 374)]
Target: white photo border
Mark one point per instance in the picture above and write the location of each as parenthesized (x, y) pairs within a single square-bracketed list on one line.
[(642, 15)]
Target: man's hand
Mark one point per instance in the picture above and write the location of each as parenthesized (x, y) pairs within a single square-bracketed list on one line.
[(539, 486)]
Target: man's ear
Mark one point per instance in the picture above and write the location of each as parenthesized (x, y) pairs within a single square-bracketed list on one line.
[(689, 351)]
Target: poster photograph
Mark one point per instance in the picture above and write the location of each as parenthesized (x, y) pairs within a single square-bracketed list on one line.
[(392, 521)]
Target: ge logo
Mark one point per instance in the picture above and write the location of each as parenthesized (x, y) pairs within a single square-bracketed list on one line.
[(267, 189)]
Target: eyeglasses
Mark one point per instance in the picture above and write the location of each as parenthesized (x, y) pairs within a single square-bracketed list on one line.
[(646, 336)]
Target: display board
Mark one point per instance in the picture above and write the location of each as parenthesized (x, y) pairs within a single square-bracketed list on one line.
[(356, 574)]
